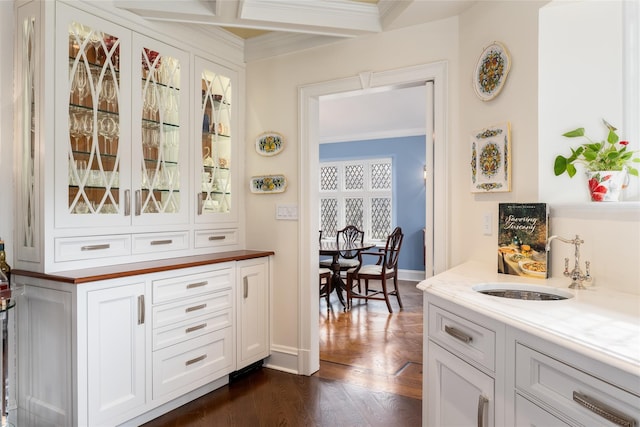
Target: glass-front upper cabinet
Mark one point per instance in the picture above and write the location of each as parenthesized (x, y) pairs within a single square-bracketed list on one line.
[(216, 119), (122, 105), (93, 120), (160, 132)]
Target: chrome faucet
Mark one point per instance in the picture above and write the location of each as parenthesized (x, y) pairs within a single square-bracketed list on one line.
[(576, 275)]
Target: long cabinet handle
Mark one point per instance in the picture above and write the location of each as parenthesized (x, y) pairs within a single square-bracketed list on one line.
[(195, 360), (141, 313), (482, 404), (197, 284), (245, 281), (458, 334), (195, 307), (127, 202), (199, 203), (161, 242), (95, 247), (195, 328), (605, 411), (138, 202), (217, 237)]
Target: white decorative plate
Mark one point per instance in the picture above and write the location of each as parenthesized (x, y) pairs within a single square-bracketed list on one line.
[(267, 184), (491, 71), (269, 143)]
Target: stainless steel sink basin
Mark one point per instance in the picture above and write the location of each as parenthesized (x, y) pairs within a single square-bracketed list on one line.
[(522, 291)]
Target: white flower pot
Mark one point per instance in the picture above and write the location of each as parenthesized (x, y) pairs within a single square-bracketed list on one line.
[(606, 186)]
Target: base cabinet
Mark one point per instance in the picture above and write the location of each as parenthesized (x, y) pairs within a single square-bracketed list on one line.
[(124, 350), (482, 372)]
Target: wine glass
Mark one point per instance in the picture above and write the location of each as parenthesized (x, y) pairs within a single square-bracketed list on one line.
[(109, 92), (86, 126), (81, 80), (75, 130), (107, 129), (95, 39)]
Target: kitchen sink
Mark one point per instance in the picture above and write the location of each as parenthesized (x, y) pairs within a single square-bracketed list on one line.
[(522, 291)]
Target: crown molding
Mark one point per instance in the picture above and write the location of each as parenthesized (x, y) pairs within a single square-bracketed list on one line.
[(277, 44)]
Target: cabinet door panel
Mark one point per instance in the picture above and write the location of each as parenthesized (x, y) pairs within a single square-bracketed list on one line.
[(252, 295), (160, 99), (92, 119), (116, 352), (455, 390), (215, 123)]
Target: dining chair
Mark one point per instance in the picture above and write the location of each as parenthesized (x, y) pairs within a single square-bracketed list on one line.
[(348, 259), (325, 284), (385, 268)]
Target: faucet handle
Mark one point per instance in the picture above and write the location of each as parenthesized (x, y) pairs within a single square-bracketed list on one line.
[(566, 266), (587, 266)]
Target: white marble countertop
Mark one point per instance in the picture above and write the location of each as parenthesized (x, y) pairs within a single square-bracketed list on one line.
[(597, 322)]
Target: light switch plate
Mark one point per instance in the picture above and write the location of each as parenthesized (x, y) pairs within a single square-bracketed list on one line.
[(487, 224), (287, 211)]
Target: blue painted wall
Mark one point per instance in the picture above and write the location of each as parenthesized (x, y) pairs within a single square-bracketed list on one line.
[(408, 154)]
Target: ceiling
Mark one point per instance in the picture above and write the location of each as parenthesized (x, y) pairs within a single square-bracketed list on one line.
[(275, 27)]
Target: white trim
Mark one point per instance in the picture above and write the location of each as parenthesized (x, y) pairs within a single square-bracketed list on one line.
[(367, 136), (411, 275), (284, 358), (308, 100)]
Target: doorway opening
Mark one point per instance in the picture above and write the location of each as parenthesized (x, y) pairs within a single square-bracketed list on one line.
[(433, 76)]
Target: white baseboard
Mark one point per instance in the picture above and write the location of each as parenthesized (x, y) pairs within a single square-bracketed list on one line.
[(413, 275), (283, 358)]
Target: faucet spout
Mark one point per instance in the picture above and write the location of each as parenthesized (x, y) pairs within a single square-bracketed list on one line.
[(576, 275)]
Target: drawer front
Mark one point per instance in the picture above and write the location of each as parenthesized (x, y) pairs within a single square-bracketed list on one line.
[(160, 242), (182, 331), (182, 368), (79, 248), (562, 387), (191, 309), (462, 336), (215, 238), (185, 286), (531, 415)]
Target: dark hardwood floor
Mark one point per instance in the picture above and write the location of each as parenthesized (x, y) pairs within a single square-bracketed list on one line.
[(370, 375)]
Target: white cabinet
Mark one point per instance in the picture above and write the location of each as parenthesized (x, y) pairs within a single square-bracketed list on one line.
[(108, 172), (484, 372), (252, 302), (569, 387), (129, 345), (462, 351), (116, 365)]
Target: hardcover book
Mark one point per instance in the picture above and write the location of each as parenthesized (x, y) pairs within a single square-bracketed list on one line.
[(522, 237)]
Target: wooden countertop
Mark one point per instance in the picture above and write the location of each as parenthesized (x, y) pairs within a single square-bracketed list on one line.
[(134, 269)]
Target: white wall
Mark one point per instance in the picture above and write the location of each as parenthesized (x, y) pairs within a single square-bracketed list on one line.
[(272, 105), (6, 126)]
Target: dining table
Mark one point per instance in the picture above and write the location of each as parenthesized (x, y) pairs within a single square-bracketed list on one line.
[(336, 250)]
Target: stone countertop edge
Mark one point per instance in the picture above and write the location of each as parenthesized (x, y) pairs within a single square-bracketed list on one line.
[(597, 322), (134, 269)]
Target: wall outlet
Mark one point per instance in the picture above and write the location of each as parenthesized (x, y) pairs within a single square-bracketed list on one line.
[(487, 223), (287, 211)]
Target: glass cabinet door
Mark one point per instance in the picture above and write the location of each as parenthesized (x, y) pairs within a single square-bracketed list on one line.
[(216, 142), (95, 159), (159, 138)]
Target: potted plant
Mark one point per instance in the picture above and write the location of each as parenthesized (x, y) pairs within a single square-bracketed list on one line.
[(607, 163)]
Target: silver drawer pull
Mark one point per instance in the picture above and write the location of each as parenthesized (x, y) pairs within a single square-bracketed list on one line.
[(195, 307), (197, 285), (458, 334), (161, 242), (482, 404), (95, 247), (605, 411), (195, 328), (195, 360), (217, 237)]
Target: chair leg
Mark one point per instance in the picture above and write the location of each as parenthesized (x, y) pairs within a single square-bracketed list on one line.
[(347, 305), (386, 294), (395, 284)]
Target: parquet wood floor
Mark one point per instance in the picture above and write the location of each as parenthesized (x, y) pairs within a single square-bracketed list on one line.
[(370, 375)]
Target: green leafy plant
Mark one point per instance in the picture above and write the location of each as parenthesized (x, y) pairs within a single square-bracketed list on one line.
[(608, 155)]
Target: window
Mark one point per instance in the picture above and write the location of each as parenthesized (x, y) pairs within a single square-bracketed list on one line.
[(356, 192)]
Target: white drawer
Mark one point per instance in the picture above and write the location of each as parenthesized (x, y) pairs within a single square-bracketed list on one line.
[(79, 248), (182, 331), (191, 309), (160, 242), (184, 286), (181, 368), (556, 384), (531, 415), (215, 238), (474, 341)]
